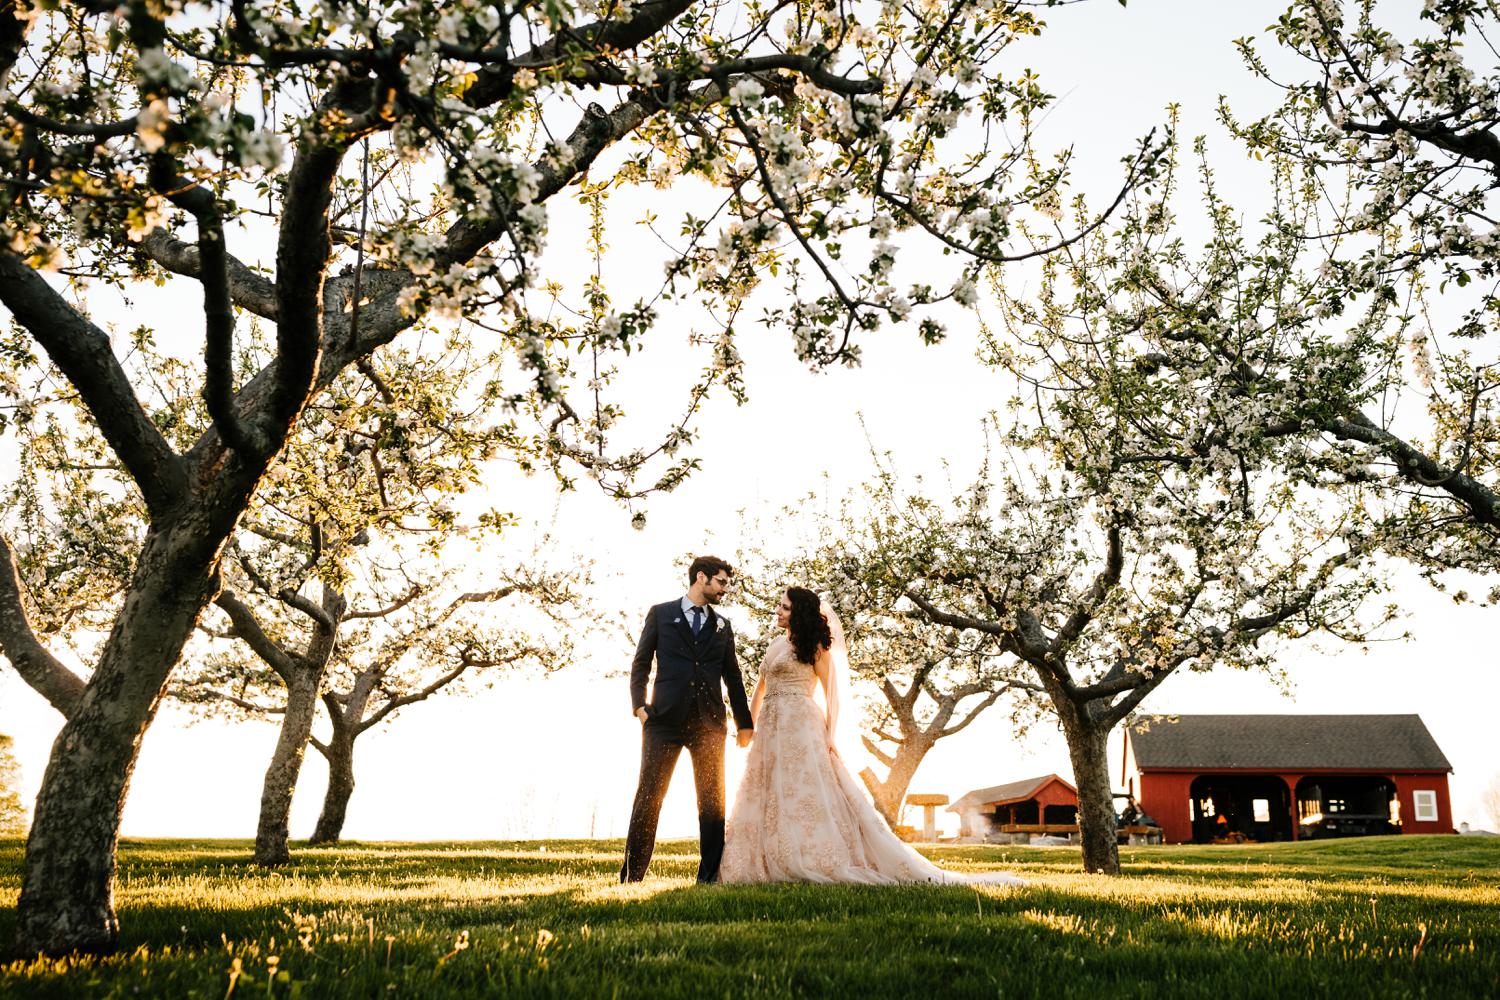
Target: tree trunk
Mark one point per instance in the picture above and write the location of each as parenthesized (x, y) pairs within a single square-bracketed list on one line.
[(273, 831), (67, 889), (340, 756), (1087, 748), (890, 793)]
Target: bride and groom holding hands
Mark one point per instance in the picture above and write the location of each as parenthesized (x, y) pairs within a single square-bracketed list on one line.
[(799, 815)]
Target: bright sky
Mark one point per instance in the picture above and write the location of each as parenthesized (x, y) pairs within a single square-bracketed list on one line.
[(557, 757)]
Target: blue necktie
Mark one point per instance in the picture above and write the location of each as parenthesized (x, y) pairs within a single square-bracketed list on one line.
[(697, 619)]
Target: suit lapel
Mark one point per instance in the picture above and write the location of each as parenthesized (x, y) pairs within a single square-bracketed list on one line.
[(681, 619), (710, 626)]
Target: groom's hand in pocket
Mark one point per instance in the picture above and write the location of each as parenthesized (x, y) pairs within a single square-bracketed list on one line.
[(744, 736), (640, 713)]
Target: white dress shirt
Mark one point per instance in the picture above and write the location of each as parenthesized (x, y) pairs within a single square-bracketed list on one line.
[(687, 611)]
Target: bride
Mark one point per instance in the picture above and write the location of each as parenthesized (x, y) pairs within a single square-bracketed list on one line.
[(799, 816)]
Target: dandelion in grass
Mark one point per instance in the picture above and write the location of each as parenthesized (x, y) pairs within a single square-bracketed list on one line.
[(236, 967), (459, 944), (306, 927)]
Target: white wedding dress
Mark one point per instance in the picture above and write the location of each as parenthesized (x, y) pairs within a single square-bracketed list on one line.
[(799, 815)]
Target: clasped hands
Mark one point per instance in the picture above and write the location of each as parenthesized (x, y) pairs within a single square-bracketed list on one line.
[(742, 737)]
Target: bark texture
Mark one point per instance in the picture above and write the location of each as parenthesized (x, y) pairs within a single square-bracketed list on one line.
[(195, 499), (890, 793), (913, 738), (272, 832), (37, 667), (1087, 750), (366, 704), (303, 674), (347, 712), (67, 890), (339, 752)]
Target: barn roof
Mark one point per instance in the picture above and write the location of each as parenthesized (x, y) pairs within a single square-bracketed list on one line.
[(1286, 742), (1015, 791)]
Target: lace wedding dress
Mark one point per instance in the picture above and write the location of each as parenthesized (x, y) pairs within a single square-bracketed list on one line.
[(799, 815)]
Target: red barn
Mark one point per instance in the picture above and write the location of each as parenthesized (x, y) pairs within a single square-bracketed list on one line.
[(1046, 804), (1209, 778)]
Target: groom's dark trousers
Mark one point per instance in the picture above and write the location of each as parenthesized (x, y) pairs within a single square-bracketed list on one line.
[(693, 674), (661, 744)]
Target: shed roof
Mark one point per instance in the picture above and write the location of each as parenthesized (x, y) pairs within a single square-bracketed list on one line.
[(1285, 742), (999, 795)]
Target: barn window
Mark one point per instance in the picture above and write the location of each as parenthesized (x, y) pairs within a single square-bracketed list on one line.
[(1426, 805), (1262, 810)]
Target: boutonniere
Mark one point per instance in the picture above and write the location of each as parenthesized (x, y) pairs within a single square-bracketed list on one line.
[(720, 627), (676, 621)]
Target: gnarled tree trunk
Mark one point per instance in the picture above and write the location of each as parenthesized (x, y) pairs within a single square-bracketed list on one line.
[(340, 755), (1088, 751), (67, 888), (272, 833), (890, 793), (303, 676), (912, 739)]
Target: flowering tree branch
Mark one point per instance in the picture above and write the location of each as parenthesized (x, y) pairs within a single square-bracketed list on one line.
[(494, 83), (44, 672), (1413, 464), (248, 289), (218, 310), (449, 95), (82, 351), (248, 629), (416, 591)]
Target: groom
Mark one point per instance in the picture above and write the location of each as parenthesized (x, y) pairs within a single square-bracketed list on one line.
[(694, 652)]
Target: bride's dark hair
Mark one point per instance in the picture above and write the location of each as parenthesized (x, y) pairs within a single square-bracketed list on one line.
[(808, 627)]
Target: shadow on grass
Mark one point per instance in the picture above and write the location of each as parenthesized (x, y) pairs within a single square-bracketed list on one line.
[(470, 919)]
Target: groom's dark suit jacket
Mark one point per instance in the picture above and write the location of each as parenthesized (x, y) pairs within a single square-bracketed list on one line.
[(688, 668)]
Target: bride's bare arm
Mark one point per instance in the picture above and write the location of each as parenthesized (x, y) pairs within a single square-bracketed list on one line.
[(824, 669), (760, 688)]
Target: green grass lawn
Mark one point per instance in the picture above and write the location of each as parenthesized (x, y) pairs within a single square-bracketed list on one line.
[(1388, 917)]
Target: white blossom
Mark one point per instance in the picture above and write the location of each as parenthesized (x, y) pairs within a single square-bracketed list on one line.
[(642, 74), (746, 92), (528, 181), (965, 293), (406, 300), (156, 69), (450, 27), (534, 215), (262, 149), (150, 125)]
